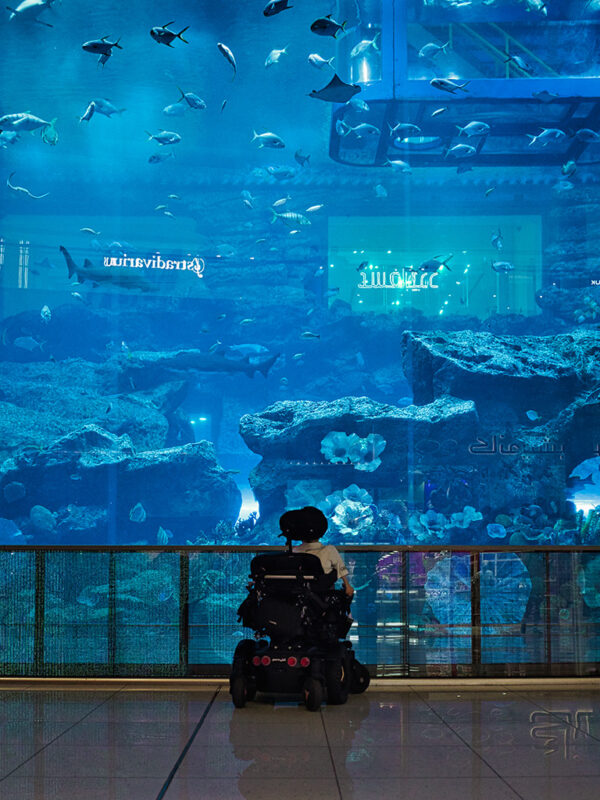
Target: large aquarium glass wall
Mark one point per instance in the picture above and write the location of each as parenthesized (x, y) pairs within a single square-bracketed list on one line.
[(256, 256)]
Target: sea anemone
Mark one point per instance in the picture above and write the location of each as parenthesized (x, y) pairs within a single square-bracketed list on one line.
[(351, 517), (369, 449)]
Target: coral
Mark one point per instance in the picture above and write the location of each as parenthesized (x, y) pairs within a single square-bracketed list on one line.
[(370, 448), (428, 527), (42, 520), (590, 528), (337, 446), (362, 453), (352, 517), (496, 531), (464, 518)]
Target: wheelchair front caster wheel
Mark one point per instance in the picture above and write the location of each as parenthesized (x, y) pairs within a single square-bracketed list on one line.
[(239, 691), (313, 694)]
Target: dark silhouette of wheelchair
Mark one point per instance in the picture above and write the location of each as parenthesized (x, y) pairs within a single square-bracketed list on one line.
[(301, 623)]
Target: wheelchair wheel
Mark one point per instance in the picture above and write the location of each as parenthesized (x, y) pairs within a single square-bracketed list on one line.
[(338, 677), (360, 678), (313, 694), (243, 652), (239, 691)]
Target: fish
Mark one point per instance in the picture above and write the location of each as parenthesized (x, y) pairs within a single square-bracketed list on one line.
[(28, 11), (319, 62), (404, 129), (310, 335), (281, 173), (275, 7), (498, 240), (502, 266), (223, 104), (314, 209), (366, 44), (101, 47), (226, 52), (380, 191), (23, 121), (164, 137), (162, 35), (360, 131), (519, 61), (489, 191), (431, 50), (88, 113), (568, 169), (246, 195), (8, 137), (247, 203), (156, 158), (45, 314), (358, 105), (433, 264), (105, 107), (587, 135), (545, 136), (363, 265), (439, 111), (301, 159), (298, 356), (336, 91), (169, 214), (461, 151), (174, 110), (46, 263), (27, 343), (91, 231), (335, 290), (247, 321), (274, 56), (290, 218), (268, 139), (163, 536), (160, 207), (192, 100), (446, 85), (137, 513), (281, 202), (474, 129), (23, 190), (398, 165), (327, 26), (117, 275)]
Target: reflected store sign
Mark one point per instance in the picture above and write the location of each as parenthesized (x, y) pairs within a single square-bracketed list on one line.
[(195, 265), (399, 279)]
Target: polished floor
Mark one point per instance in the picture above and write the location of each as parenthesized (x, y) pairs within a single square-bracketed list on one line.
[(120, 742)]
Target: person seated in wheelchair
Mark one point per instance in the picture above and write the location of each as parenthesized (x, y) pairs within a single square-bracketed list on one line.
[(309, 524)]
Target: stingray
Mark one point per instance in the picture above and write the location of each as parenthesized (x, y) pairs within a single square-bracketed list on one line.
[(336, 91)]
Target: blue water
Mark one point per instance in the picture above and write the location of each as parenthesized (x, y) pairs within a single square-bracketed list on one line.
[(457, 405)]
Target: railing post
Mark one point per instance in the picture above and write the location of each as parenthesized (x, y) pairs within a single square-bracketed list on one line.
[(405, 572), (112, 612), (548, 613), (184, 613), (475, 615), (39, 612)]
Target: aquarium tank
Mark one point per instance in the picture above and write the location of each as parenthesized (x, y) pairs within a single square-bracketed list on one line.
[(263, 255)]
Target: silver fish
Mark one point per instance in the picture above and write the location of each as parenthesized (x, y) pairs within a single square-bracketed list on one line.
[(192, 100), (319, 62), (226, 52), (268, 139)]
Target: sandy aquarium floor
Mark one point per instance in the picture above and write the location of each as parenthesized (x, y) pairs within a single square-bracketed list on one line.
[(128, 741)]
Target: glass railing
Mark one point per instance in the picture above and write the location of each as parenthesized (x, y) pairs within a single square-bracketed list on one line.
[(420, 612)]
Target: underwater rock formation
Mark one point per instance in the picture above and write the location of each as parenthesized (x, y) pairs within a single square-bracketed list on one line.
[(501, 374), (179, 487), (41, 401), (289, 435)]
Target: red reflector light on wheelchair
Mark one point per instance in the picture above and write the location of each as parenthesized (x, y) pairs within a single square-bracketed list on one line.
[(265, 661), (305, 661), (292, 661), (256, 660)]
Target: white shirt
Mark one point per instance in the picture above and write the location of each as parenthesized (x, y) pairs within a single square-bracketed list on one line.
[(328, 556)]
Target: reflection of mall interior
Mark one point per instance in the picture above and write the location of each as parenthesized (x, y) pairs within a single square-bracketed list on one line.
[(337, 257)]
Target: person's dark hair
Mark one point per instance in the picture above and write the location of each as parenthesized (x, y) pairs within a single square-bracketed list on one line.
[(307, 524)]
